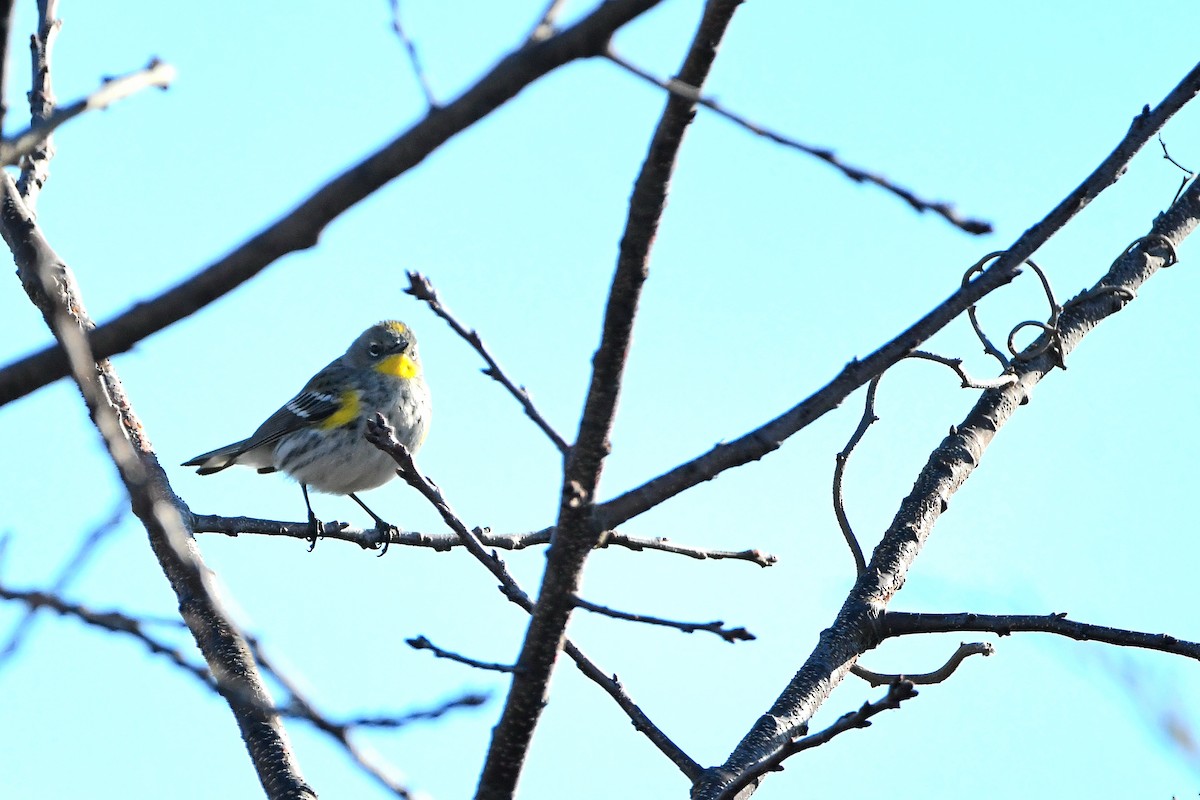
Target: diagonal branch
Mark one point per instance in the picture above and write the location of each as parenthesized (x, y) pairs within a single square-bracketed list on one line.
[(156, 73), (857, 174), (383, 436), (67, 574), (897, 693), (856, 628), (770, 436), (578, 529), (421, 288), (300, 228), (51, 286)]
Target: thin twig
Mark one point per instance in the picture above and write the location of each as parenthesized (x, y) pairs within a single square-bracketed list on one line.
[(897, 693), (956, 364), (155, 74), (421, 288), (964, 651), (945, 210), (373, 538), (413, 58), (898, 623), (421, 643), (839, 472), (110, 621), (301, 228), (730, 635), (383, 436), (469, 700), (88, 547)]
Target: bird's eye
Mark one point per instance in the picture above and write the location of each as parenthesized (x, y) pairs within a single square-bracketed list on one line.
[(374, 350)]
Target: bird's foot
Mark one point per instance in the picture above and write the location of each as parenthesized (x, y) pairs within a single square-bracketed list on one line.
[(315, 529), (385, 530)]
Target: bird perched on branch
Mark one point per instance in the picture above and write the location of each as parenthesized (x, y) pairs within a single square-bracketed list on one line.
[(317, 436)]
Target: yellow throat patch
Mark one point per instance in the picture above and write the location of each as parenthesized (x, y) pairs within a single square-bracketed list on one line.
[(399, 366)]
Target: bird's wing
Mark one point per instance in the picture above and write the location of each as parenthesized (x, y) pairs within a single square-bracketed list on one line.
[(316, 403)]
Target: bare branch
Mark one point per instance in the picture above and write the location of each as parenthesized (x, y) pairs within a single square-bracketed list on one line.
[(956, 364), (839, 472), (964, 651), (770, 436), (730, 635), (110, 621), (763, 559), (52, 288), (383, 436), (413, 58), (299, 229), (36, 169), (156, 73), (577, 529), (897, 693), (86, 549), (421, 643), (469, 700), (677, 87), (949, 466), (421, 288), (897, 623)]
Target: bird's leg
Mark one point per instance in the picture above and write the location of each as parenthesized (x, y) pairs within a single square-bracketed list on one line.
[(314, 525), (384, 528)]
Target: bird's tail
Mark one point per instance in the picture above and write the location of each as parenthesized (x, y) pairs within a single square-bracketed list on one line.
[(219, 459)]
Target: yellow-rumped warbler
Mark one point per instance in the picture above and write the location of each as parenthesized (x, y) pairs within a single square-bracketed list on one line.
[(317, 437)]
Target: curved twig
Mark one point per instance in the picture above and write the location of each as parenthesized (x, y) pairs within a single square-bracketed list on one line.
[(964, 651), (839, 471)]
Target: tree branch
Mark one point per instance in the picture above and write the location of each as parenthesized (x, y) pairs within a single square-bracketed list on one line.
[(578, 529), (898, 623), (839, 472), (940, 674), (897, 693), (52, 287), (383, 436), (770, 436), (421, 288), (36, 169), (855, 629), (944, 210), (156, 73), (373, 538), (421, 643), (730, 635), (300, 228)]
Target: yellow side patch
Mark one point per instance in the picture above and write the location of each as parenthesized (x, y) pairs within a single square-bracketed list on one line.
[(399, 366), (347, 411)]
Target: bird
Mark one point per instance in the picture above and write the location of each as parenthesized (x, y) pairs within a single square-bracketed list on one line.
[(317, 437)]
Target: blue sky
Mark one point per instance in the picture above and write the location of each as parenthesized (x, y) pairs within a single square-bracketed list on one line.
[(769, 273)]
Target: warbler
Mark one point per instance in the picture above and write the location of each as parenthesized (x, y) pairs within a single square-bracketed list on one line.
[(317, 436)]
